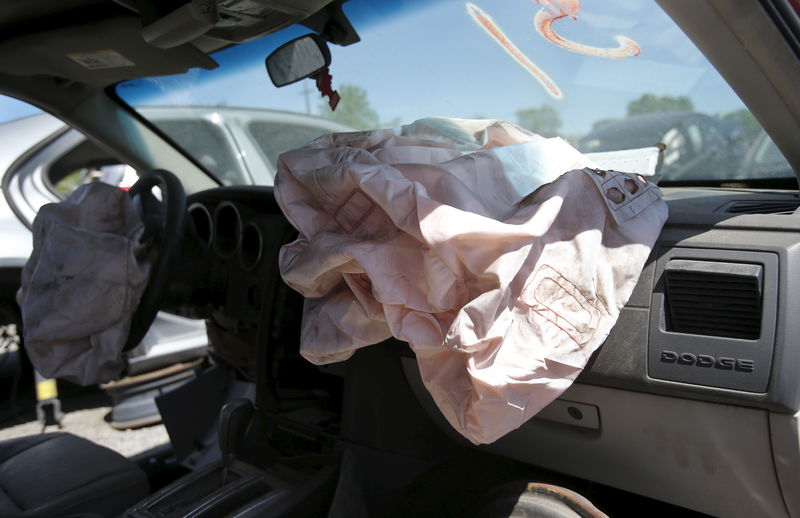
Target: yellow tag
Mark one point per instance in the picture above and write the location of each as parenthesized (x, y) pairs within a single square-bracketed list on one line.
[(46, 390)]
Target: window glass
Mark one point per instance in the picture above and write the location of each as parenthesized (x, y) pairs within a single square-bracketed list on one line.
[(86, 162), (208, 144), (67, 161), (273, 138), (12, 109), (607, 75)]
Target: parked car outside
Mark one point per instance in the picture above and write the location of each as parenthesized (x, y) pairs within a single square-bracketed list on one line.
[(696, 146), (763, 159)]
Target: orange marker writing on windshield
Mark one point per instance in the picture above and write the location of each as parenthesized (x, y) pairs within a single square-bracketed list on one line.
[(553, 10), (491, 28)]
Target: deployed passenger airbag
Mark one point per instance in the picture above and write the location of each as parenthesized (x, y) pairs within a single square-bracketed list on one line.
[(501, 257)]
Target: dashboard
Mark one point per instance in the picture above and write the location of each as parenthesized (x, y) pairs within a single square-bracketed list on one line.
[(232, 277), (693, 397), (691, 400)]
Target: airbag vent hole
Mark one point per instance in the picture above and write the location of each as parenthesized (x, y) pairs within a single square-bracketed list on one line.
[(615, 195)]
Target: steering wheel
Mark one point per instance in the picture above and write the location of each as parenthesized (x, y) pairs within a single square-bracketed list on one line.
[(164, 221)]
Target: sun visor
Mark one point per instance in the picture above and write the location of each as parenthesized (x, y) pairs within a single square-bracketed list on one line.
[(100, 52), (167, 24)]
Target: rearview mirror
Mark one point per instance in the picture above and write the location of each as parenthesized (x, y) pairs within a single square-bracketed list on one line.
[(298, 59)]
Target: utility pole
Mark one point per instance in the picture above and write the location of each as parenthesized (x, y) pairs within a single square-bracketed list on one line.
[(305, 92)]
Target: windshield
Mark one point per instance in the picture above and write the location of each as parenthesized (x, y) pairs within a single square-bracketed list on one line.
[(602, 74)]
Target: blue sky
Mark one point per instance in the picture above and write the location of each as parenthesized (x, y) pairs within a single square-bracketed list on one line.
[(432, 59), (11, 109)]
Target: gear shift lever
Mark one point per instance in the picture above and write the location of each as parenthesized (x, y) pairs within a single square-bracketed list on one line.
[(234, 419)]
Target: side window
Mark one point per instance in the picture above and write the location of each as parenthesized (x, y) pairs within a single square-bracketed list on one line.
[(274, 138), (64, 158), (766, 160), (86, 162), (208, 144)]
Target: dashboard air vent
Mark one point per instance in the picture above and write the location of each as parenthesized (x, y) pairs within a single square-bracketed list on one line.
[(761, 207), (714, 298)]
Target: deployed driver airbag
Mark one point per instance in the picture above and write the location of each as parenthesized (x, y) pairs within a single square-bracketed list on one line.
[(450, 237), (82, 284)]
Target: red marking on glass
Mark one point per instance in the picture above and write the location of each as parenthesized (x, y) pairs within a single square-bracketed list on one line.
[(561, 8), (491, 28), (553, 10)]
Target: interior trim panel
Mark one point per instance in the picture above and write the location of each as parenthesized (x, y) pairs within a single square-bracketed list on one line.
[(630, 357)]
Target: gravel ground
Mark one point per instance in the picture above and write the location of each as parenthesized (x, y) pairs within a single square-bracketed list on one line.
[(84, 411), (90, 424)]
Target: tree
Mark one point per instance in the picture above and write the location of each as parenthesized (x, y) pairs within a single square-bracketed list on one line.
[(543, 120), (649, 103), (353, 110)]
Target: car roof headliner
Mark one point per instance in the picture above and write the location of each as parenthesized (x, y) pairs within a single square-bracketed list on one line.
[(39, 35)]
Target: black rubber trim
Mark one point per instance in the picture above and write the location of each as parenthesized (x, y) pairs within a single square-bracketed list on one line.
[(786, 20)]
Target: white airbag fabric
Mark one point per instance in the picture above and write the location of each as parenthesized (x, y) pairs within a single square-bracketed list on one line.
[(82, 284), (436, 237)]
